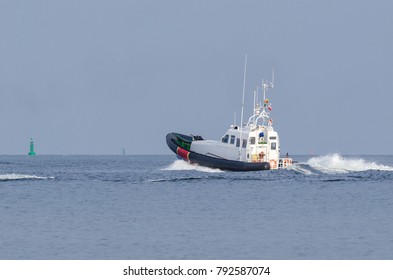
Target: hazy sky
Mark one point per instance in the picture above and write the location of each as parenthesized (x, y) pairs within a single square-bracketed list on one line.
[(93, 77)]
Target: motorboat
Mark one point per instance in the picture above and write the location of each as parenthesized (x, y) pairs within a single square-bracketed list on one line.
[(250, 146)]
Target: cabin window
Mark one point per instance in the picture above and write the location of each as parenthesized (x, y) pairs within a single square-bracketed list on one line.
[(252, 140), (233, 139), (225, 138), (272, 137), (237, 142), (244, 143), (273, 146)]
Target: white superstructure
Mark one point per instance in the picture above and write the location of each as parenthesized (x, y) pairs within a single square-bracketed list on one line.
[(255, 141)]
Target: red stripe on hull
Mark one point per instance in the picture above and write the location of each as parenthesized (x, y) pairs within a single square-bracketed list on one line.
[(183, 153)]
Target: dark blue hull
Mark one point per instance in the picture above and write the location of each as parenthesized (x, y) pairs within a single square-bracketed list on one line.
[(180, 145)]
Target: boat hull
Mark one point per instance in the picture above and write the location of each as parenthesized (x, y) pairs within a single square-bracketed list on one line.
[(180, 145)]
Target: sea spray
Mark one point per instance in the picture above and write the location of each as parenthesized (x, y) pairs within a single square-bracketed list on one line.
[(183, 165), (335, 163)]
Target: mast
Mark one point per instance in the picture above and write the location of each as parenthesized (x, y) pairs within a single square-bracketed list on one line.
[(257, 95), (241, 117), (265, 86), (255, 109)]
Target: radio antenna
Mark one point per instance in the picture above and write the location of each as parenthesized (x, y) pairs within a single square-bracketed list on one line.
[(241, 117)]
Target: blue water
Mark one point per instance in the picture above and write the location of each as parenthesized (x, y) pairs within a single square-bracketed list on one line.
[(157, 207)]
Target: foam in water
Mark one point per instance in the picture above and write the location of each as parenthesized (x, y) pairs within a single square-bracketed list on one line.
[(335, 163), (13, 176), (183, 165), (300, 169)]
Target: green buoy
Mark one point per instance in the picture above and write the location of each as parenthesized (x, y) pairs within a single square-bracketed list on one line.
[(31, 153)]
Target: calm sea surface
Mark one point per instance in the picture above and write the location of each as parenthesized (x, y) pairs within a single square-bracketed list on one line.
[(158, 207)]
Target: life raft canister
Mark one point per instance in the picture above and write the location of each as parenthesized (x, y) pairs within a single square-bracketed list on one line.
[(273, 164), (286, 162)]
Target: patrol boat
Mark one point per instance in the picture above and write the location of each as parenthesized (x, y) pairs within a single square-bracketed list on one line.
[(252, 146)]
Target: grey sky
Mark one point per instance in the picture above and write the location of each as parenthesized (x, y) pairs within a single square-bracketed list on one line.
[(92, 77)]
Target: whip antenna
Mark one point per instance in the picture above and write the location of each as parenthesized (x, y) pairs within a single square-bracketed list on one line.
[(241, 117)]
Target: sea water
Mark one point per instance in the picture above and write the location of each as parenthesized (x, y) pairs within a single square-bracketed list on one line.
[(159, 207)]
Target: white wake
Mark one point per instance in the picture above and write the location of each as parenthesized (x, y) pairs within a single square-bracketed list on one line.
[(14, 176), (299, 168), (183, 165), (336, 163)]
